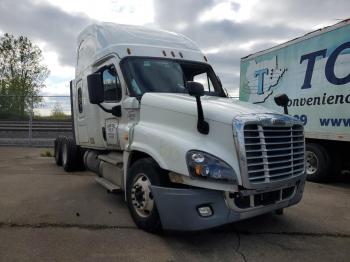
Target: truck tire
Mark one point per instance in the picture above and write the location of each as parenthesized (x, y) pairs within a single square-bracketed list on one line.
[(317, 163), (70, 161), (58, 150), (142, 207)]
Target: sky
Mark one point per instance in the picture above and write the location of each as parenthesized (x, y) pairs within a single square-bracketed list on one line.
[(225, 30)]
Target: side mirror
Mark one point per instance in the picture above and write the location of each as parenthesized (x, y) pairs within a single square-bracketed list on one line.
[(95, 87), (197, 90), (282, 100)]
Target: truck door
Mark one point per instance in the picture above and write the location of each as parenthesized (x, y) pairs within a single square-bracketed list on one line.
[(112, 97), (82, 134)]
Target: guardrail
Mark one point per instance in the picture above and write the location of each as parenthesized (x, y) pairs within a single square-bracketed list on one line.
[(38, 133), (35, 127)]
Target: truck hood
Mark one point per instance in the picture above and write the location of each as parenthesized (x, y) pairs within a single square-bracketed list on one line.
[(215, 108)]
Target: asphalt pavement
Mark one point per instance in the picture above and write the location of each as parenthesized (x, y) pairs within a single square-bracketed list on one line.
[(49, 215)]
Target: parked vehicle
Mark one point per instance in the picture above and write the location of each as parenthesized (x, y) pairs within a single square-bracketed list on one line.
[(152, 119), (313, 71)]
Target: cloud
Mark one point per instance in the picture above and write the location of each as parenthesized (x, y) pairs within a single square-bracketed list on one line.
[(223, 33), (230, 39), (46, 23), (231, 29), (169, 14), (226, 29), (309, 14)]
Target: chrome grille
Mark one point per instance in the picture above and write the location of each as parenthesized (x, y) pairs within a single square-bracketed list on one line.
[(273, 153)]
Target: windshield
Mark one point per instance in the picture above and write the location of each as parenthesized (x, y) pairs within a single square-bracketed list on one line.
[(167, 76)]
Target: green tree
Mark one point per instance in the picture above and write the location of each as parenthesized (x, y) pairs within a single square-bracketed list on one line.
[(22, 74)]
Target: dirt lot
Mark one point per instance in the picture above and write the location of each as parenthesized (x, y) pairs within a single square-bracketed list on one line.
[(47, 214)]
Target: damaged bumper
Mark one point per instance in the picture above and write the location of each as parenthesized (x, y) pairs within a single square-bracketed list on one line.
[(179, 207)]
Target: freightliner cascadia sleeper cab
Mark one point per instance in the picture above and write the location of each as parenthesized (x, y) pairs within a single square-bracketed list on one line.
[(152, 119)]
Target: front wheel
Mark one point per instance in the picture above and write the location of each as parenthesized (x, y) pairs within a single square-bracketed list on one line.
[(142, 174)]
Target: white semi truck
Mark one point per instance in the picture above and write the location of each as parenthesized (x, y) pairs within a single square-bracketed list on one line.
[(152, 119), (314, 71)]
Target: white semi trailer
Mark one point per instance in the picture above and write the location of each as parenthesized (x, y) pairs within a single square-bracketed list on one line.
[(314, 71), (152, 119)]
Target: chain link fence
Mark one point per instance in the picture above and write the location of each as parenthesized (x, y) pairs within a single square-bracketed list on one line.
[(34, 120)]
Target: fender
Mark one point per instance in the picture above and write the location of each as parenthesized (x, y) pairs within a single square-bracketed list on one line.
[(168, 146)]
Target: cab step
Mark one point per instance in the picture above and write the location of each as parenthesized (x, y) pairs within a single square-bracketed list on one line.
[(112, 188)]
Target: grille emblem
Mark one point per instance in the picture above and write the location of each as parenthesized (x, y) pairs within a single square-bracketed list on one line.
[(278, 122)]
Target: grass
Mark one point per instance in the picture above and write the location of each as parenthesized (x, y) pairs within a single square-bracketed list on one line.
[(46, 153)]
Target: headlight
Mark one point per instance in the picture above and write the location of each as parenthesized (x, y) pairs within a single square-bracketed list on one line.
[(201, 164)]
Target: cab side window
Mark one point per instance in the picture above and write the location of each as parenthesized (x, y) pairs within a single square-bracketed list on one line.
[(111, 84)]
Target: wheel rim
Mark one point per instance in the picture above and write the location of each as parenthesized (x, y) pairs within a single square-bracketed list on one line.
[(141, 196), (64, 154), (311, 163)]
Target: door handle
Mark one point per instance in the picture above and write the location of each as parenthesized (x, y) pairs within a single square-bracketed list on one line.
[(104, 133)]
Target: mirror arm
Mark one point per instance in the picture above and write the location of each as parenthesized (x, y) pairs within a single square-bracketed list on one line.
[(116, 110), (105, 109), (202, 125)]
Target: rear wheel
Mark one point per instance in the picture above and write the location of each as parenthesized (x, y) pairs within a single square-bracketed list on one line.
[(317, 163), (70, 159), (142, 174), (58, 150)]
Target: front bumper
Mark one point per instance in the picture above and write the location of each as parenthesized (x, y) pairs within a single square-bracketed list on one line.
[(177, 207)]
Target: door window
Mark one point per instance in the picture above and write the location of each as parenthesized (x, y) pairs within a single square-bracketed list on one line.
[(111, 83)]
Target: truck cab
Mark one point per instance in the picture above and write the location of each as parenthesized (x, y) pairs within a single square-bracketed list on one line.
[(152, 119)]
